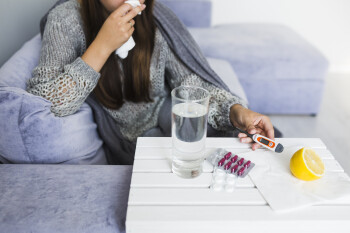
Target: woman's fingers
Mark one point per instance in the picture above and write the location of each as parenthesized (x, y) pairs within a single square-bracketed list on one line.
[(249, 140), (122, 10), (271, 133), (131, 31), (256, 146), (127, 10), (267, 127), (251, 129), (131, 24), (132, 13), (245, 139)]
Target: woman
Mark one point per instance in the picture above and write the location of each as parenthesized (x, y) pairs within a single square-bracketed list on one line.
[(78, 58)]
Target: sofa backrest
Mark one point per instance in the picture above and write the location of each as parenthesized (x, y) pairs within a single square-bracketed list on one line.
[(193, 13), (19, 22), (20, 19)]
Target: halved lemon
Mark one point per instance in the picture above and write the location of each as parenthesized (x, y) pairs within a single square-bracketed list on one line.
[(307, 165)]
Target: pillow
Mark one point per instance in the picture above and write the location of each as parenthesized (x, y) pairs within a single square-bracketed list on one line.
[(30, 133)]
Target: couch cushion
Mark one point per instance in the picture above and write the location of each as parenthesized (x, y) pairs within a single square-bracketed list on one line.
[(30, 132), (262, 51), (272, 62), (64, 199), (18, 69)]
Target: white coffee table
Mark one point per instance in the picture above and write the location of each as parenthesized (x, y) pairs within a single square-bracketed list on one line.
[(159, 201)]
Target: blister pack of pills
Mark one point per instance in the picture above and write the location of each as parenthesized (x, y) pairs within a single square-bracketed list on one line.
[(227, 168)]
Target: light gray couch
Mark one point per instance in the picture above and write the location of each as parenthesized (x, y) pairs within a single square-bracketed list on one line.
[(280, 72)]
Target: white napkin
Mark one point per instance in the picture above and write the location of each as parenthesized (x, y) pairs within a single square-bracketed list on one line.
[(283, 192), (123, 51)]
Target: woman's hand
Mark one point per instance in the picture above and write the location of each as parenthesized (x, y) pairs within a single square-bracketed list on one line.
[(118, 27), (115, 31), (251, 122)]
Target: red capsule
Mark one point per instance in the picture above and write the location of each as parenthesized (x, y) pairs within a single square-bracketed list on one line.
[(234, 168), (241, 171), (240, 162), (247, 164), (228, 155), (228, 165), (234, 159), (221, 162)]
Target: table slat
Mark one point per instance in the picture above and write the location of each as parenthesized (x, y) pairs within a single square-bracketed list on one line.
[(198, 196), (247, 219), (166, 153), (165, 142), (164, 165), (191, 197), (170, 180)]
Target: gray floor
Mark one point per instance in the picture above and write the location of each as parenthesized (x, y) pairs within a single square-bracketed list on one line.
[(332, 124)]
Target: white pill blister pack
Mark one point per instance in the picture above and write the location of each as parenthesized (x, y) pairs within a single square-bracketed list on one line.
[(227, 169)]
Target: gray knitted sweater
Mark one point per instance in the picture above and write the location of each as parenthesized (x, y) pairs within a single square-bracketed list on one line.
[(63, 78)]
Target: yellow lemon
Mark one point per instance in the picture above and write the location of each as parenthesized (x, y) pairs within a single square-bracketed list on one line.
[(307, 165)]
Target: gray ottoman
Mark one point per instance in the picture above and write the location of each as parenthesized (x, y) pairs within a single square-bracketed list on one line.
[(280, 72)]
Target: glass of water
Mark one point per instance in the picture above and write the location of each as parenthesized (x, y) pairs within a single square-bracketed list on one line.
[(189, 129)]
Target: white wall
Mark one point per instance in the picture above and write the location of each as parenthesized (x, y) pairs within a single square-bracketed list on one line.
[(325, 23)]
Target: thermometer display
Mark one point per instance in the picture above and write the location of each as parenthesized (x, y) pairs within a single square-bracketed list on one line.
[(264, 141)]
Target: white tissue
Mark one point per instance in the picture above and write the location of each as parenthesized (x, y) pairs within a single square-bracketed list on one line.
[(283, 192), (134, 3), (123, 51)]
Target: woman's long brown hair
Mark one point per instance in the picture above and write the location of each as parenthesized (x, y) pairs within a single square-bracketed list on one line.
[(136, 67)]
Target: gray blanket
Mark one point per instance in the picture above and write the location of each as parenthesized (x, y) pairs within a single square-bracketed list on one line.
[(118, 149)]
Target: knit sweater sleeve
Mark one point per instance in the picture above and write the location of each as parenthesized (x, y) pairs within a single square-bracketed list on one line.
[(220, 101), (61, 76)]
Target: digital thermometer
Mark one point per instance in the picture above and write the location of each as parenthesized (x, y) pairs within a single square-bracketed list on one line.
[(264, 141)]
